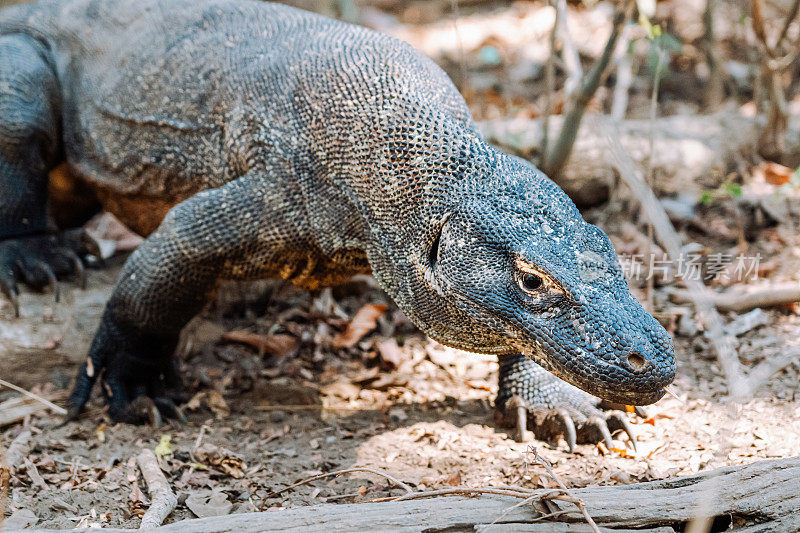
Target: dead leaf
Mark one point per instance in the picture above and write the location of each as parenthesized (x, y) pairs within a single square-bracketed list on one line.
[(33, 473), (211, 399), (209, 503), (368, 374), (390, 352), (164, 447), (454, 480), (217, 404), (220, 459), (279, 345), (363, 322), (389, 379), (341, 389), (775, 174), (623, 452), (20, 519)]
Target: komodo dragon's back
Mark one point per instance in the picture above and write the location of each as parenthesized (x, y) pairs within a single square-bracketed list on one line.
[(252, 140), (162, 99)]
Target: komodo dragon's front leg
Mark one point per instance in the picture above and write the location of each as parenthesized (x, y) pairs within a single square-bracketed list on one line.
[(166, 281), (29, 148)]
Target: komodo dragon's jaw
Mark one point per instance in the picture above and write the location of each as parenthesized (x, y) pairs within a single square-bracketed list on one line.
[(514, 268)]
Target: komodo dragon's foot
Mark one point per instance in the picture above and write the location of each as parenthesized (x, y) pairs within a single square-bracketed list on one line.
[(139, 377), (530, 396), (38, 261)]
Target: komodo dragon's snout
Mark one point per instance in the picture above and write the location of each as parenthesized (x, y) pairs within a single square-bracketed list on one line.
[(541, 281)]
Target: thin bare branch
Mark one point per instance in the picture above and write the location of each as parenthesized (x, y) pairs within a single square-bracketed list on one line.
[(768, 368), (49, 404), (375, 471), (714, 91), (786, 25), (623, 59), (740, 301), (569, 53), (550, 82), (577, 501), (555, 159)]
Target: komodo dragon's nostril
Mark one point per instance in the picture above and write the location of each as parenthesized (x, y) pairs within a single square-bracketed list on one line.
[(636, 362)]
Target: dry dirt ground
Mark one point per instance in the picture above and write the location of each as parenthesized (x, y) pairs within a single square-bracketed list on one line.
[(278, 400)]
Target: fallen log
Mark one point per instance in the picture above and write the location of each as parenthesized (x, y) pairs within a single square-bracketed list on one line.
[(692, 153), (743, 300), (761, 496)]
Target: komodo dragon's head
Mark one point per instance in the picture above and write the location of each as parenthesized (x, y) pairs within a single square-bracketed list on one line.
[(519, 270)]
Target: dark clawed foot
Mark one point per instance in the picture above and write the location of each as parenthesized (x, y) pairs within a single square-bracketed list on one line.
[(39, 261), (137, 390), (147, 410), (149, 401), (586, 424), (539, 404)]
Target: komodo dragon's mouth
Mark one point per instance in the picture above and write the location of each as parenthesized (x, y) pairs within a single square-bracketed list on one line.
[(612, 391)]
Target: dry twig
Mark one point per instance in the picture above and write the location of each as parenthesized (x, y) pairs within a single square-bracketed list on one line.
[(162, 500), (375, 471), (772, 141), (51, 405), (550, 77), (623, 59), (743, 301), (555, 158), (569, 53), (466, 491), (577, 501), (715, 91), (18, 450), (767, 368)]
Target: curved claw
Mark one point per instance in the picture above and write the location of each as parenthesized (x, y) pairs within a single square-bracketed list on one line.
[(523, 435), (79, 239), (155, 416), (39, 260), (77, 266), (601, 426), (618, 422), (570, 434), (168, 408), (8, 286), (52, 282)]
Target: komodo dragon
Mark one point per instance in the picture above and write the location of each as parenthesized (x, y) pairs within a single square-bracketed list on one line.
[(250, 140)]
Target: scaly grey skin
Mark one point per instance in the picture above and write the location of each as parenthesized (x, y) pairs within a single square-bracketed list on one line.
[(254, 140)]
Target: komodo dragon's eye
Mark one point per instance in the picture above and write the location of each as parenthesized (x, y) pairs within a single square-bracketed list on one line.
[(535, 282), (529, 282)]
